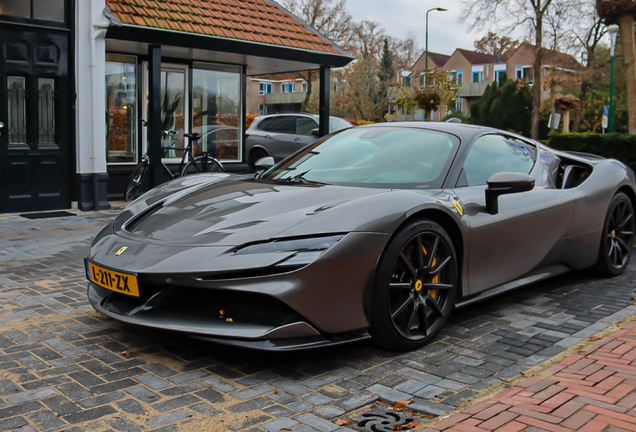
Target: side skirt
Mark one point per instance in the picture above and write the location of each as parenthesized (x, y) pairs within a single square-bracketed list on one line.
[(530, 278)]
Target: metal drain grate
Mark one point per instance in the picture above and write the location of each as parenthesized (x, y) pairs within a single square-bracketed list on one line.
[(384, 421)]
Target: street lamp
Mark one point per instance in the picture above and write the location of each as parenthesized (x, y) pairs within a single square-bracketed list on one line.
[(427, 12), (613, 32)]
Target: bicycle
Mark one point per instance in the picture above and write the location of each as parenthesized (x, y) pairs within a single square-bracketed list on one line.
[(200, 164)]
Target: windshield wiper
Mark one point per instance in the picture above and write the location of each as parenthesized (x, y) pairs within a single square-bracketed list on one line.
[(301, 180)]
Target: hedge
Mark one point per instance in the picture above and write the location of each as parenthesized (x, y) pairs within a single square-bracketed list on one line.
[(614, 146)]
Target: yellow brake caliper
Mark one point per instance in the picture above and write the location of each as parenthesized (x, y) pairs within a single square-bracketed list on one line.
[(435, 279)]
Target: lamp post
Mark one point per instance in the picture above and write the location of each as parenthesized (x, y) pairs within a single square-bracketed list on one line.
[(613, 32), (427, 12)]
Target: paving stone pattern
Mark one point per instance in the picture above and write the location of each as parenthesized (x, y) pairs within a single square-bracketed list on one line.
[(64, 366), (592, 391)]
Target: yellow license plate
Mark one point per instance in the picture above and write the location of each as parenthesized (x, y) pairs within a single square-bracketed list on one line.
[(123, 283)]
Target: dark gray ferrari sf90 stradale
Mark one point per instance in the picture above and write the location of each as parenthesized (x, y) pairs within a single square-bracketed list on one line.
[(376, 231)]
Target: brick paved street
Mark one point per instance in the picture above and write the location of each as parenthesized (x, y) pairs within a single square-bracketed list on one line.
[(591, 391), (65, 367)]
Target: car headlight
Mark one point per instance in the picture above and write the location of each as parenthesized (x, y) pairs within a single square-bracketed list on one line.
[(307, 250)]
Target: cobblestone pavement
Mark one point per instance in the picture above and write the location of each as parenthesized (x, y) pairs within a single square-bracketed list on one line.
[(591, 391), (64, 366)]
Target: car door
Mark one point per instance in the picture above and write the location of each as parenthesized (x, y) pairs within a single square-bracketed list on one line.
[(304, 127), (526, 232), (280, 135)]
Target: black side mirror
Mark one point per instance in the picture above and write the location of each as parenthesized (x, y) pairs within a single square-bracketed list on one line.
[(315, 132), (505, 183), (264, 163)]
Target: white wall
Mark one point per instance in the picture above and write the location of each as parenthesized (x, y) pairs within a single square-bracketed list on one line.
[(90, 64)]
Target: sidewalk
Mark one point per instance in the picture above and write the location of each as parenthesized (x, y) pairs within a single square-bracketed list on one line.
[(591, 391)]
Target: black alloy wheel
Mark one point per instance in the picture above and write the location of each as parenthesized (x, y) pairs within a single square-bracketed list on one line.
[(618, 236), (418, 288)]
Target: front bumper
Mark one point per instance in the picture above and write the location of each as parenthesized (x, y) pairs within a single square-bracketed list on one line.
[(291, 336), (318, 305)]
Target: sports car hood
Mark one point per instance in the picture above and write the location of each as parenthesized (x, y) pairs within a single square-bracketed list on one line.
[(225, 210)]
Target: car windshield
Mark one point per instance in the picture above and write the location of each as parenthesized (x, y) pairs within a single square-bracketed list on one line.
[(385, 156), (336, 124)]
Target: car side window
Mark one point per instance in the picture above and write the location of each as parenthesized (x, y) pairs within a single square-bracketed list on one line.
[(264, 124), (285, 124), (492, 154), (304, 126)]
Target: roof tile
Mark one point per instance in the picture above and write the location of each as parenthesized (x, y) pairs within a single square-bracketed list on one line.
[(249, 20)]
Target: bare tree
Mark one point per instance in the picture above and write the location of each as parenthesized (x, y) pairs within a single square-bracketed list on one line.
[(330, 18), (368, 38), (515, 14), (405, 51)]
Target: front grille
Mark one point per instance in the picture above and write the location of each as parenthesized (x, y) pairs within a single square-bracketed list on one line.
[(209, 304), (237, 306)]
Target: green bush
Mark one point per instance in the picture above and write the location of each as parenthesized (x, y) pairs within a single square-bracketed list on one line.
[(614, 146), (456, 114), (505, 105)]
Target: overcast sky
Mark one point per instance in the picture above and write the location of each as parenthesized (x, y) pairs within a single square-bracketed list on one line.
[(400, 18)]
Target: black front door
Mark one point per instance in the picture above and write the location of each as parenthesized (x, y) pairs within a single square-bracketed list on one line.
[(35, 115)]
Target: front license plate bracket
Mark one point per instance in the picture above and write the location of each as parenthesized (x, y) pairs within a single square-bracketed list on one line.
[(113, 280)]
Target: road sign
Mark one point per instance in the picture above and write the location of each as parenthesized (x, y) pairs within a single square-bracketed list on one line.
[(605, 116), (554, 121)]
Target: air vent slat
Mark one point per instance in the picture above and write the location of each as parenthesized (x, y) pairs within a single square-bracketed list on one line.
[(134, 223)]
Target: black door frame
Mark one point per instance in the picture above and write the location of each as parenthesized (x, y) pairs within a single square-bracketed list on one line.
[(11, 25)]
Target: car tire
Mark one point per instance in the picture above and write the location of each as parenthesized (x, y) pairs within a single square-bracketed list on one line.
[(255, 155), (617, 237), (414, 293)]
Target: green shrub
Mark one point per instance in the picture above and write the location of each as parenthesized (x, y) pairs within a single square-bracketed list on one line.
[(456, 114), (614, 146), (505, 105)]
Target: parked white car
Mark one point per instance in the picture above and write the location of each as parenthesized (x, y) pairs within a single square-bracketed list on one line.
[(279, 135)]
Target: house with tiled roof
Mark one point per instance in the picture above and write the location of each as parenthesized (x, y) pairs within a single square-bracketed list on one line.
[(473, 71), (82, 74), (560, 70), (435, 61)]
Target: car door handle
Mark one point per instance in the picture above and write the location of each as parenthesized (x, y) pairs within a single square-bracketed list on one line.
[(297, 139), (268, 136)]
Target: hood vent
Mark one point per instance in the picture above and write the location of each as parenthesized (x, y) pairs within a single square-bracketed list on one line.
[(134, 223)]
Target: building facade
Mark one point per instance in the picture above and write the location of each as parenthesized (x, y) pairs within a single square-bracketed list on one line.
[(79, 76), (474, 72), (281, 93)]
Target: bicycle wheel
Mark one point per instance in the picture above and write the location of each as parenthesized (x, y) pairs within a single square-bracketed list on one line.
[(202, 164), (136, 178)]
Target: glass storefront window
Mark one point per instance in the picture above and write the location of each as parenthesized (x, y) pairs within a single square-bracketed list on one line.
[(216, 109), (173, 91), (121, 109)]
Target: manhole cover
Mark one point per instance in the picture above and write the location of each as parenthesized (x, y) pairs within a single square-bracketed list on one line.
[(385, 421)]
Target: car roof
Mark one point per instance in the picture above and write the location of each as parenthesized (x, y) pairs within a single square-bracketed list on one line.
[(461, 130), (314, 116)]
